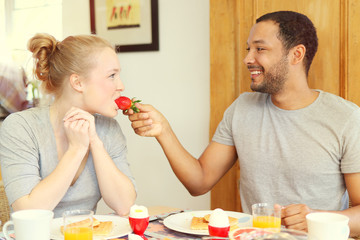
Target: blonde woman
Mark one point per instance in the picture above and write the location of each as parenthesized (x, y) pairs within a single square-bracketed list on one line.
[(71, 153)]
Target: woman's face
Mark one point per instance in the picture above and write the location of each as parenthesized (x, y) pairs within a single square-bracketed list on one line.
[(103, 84)]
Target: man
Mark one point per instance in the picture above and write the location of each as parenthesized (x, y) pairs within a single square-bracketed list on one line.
[(297, 147)]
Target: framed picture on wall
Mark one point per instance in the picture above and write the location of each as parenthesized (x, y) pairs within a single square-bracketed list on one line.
[(130, 25)]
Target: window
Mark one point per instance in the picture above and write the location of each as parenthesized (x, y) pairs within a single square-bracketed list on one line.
[(22, 19)]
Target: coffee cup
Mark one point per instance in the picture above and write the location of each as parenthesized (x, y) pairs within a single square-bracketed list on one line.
[(32, 224), (327, 226)]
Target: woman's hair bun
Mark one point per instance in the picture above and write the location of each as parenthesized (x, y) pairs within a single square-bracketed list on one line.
[(55, 62), (43, 46)]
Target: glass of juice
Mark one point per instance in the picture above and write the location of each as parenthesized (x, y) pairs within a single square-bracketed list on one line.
[(78, 225), (266, 216)]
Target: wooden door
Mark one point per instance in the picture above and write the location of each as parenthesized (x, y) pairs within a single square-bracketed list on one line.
[(335, 67)]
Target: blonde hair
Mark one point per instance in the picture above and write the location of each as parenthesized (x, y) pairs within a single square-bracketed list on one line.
[(54, 61)]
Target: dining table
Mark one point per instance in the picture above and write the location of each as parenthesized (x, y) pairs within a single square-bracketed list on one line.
[(157, 229)]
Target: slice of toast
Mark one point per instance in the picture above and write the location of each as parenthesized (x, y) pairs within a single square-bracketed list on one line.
[(99, 228), (201, 223), (104, 228), (232, 220), (198, 223), (96, 222)]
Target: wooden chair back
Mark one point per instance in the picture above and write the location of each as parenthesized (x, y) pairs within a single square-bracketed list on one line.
[(4, 206)]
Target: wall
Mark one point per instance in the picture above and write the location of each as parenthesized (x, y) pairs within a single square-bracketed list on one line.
[(5, 53), (176, 81)]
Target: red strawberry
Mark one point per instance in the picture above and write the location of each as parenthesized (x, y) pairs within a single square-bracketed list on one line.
[(124, 103)]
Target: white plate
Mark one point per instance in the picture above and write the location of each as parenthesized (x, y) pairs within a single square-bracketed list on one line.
[(121, 227), (181, 222)]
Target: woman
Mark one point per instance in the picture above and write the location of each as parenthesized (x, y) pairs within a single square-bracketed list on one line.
[(69, 154)]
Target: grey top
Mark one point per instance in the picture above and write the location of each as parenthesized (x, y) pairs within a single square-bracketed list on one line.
[(293, 156), (28, 154)]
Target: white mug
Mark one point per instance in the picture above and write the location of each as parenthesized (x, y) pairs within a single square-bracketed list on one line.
[(327, 226), (33, 224)]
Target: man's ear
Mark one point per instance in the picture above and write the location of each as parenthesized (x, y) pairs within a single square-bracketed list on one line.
[(76, 82), (297, 54)]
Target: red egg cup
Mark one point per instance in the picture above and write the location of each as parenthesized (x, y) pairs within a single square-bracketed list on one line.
[(218, 231), (139, 225)]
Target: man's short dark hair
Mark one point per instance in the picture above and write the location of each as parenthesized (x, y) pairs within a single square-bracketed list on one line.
[(294, 29)]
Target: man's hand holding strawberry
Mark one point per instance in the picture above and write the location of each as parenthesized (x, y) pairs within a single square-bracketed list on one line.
[(145, 119)]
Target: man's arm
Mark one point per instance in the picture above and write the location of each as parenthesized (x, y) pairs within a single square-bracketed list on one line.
[(352, 181), (197, 175), (294, 216)]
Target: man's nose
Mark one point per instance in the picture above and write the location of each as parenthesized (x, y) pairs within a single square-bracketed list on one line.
[(249, 58)]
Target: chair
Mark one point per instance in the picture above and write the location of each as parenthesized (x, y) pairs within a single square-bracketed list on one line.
[(4, 206)]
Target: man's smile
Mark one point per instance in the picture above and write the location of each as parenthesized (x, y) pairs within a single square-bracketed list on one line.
[(255, 71)]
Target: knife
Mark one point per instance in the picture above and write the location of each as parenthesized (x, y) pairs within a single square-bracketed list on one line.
[(161, 217)]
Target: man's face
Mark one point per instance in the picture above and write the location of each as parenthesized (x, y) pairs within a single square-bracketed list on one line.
[(266, 60)]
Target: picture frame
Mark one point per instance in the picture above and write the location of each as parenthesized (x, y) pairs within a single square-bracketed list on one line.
[(142, 37)]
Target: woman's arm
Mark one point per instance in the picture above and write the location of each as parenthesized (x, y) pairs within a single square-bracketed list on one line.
[(116, 188), (50, 190)]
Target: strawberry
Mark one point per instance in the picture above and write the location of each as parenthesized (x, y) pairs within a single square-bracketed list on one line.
[(125, 103)]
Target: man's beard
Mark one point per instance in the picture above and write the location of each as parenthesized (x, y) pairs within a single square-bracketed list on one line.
[(274, 78)]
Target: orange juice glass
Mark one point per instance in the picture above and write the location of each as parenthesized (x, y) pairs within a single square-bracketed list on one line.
[(78, 224), (266, 222), (78, 233), (266, 216)]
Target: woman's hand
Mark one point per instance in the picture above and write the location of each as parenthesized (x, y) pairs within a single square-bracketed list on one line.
[(148, 122), (79, 127)]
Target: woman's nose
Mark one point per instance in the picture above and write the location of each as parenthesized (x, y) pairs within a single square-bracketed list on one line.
[(119, 85)]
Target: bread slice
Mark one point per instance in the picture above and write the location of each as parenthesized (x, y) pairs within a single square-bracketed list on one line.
[(232, 220), (201, 223), (96, 222), (198, 223), (99, 228), (104, 228)]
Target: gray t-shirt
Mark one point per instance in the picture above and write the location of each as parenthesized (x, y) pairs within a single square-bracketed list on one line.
[(28, 154), (293, 156)]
